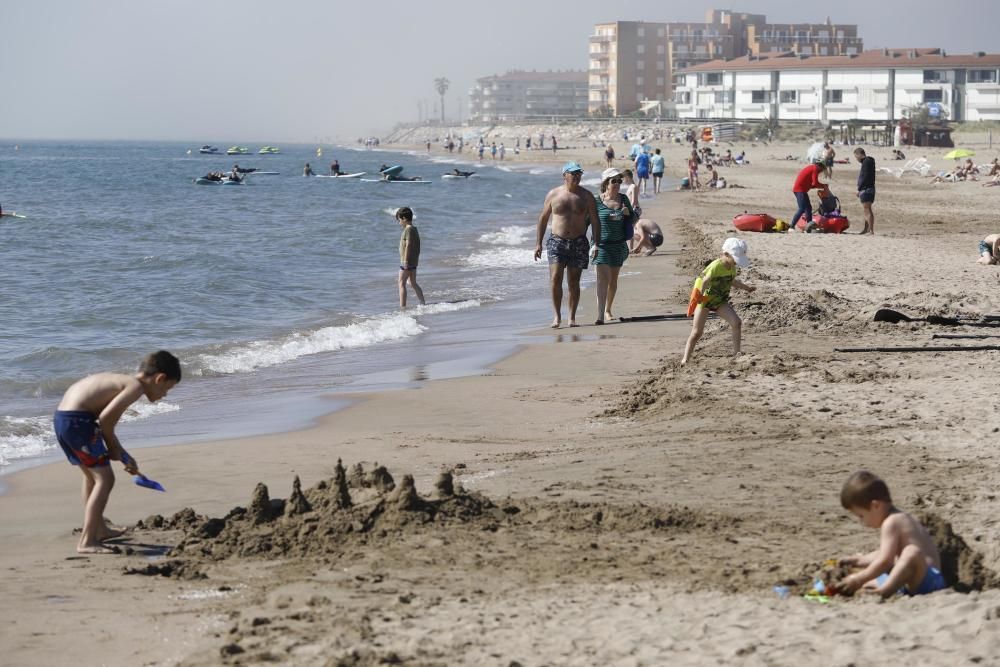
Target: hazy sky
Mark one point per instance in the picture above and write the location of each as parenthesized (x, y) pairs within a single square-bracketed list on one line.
[(224, 71)]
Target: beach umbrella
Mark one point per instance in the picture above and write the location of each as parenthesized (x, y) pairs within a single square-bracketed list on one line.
[(958, 153)]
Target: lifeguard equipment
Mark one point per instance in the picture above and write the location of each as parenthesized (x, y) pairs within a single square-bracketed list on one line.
[(754, 222), (825, 224)]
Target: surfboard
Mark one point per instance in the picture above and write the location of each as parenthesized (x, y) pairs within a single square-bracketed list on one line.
[(263, 173), (206, 181), (456, 176), (357, 175), (382, 180), (394, 170)]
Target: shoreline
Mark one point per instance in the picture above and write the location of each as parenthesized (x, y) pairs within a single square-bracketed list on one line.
[(652, 507)]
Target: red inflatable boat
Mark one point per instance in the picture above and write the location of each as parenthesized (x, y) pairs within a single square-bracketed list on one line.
[(825, 224), (754, 222)]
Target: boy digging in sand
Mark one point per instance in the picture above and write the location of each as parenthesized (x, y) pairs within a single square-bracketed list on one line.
[(711, 293), (906, 553), (85, 427)]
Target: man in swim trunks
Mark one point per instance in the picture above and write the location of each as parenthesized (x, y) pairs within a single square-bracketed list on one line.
[(572, 208)]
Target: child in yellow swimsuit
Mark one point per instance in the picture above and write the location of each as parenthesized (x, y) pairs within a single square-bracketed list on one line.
[(711, 294)]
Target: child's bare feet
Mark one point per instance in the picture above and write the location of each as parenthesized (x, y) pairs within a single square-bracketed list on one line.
[(97, 549), (110, 534)]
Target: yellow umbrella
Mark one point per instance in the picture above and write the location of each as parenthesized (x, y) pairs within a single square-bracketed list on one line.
[(958, 153)]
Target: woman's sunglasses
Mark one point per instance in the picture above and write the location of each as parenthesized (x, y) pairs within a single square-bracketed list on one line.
[(615, 181)]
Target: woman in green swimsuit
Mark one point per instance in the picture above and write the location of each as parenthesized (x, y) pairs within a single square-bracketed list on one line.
[(616, 214)]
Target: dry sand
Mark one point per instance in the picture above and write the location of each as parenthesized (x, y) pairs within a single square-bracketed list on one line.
[(609, 506)]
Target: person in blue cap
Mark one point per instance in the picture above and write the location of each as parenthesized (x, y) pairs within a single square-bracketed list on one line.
[(572, 209)]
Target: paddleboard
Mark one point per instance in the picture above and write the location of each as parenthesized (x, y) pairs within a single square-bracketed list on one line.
[(263, 173), (382, 180), (357, 175), (457, 176), (394, 170), (228, 182), (15, 215), (206, 181)]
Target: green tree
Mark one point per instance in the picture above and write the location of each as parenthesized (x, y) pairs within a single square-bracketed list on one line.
[(441, 84)]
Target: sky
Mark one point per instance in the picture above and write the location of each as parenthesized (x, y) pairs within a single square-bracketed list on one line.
[(310, 70)]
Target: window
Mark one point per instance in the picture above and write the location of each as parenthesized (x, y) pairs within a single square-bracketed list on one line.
[(641, 32), (640, 64), (659, 32), (660, 65), (933, 96), (932, 76), (982, 76), (834, 97), (713, 79), (640, 48), (659, 82), (758, 96), (723, 96), (639, 81), (682, 97), (789, 96)]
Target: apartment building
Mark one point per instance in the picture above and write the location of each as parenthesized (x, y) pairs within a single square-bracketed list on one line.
[(518, 95), (631, 63), (876, 85)]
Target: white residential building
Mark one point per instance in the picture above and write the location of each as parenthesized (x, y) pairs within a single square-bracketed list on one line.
[(875, 85), (519, 95)]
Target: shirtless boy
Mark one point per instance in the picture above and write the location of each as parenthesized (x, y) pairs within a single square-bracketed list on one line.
[(648, 237), (571, 209), (989, 250), (906, 551), (85, 427)]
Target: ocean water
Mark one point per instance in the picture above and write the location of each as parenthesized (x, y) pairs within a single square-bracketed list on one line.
[(273, 294)]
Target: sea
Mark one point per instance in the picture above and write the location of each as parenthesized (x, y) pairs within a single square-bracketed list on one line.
[(279, 296)]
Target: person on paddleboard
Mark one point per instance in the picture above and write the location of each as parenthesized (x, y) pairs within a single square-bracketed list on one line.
[(335, 168)]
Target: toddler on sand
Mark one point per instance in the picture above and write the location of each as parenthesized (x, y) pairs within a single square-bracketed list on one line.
[(711, 293), (85, 427), (906, 558)]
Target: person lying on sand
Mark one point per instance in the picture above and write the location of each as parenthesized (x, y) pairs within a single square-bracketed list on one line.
[(907, 558)]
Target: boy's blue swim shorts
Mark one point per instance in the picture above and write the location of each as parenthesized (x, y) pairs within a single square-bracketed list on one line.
[(80, 437)]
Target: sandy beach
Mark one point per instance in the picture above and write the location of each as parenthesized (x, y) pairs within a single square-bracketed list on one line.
[(588, 501)]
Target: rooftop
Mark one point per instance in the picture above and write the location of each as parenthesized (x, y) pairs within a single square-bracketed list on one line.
[(874, 58), (578, 76)]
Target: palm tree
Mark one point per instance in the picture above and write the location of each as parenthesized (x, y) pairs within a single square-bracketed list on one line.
[(441, 84)]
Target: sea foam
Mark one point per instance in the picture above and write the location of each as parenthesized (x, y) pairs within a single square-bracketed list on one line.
[(248, 357)]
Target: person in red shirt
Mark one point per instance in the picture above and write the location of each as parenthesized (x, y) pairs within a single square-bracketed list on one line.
[(808, 179)]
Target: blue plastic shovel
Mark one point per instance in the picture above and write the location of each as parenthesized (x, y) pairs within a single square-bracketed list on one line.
[(141, 480)]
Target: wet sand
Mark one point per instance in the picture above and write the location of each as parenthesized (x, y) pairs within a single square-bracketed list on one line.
[(612, 507)]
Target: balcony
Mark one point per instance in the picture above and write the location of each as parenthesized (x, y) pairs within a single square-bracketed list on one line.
[(603, 54), (602, 39)]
